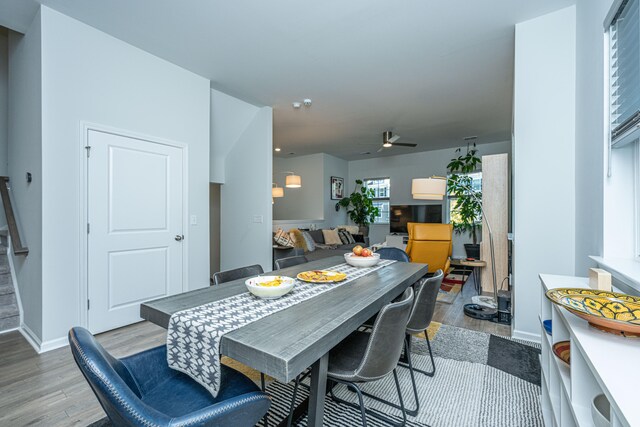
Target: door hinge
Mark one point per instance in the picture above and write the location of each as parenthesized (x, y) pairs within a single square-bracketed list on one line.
[(88, 148), (88, 304), (88, 228)]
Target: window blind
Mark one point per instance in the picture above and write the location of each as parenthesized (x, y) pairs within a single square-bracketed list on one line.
[(624, 34)]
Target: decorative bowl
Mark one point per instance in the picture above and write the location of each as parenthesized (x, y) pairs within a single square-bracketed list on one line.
[(608, 311), (562, 350), (547, 326), (270, 287), (362, 261), (601, 411)]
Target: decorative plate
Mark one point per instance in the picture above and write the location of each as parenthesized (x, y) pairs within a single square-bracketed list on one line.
[(321, 276), (562, 350), (608, 311), (547, 326)]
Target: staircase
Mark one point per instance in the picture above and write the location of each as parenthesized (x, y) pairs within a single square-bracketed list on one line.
[(9, 312)]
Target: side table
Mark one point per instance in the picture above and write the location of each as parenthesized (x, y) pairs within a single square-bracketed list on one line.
[(472, 266)]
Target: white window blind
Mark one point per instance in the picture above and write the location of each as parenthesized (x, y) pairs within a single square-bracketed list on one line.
[(624, 39)]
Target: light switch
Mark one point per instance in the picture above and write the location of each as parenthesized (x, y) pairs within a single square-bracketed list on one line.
[(258, 219), (193, 220)]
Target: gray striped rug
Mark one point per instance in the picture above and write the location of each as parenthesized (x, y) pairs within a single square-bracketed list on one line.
[(466, 390)]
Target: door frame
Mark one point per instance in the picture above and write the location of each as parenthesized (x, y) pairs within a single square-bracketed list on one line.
[(85, 128)]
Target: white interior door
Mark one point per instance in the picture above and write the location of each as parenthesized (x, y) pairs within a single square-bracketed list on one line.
[(135, 243)]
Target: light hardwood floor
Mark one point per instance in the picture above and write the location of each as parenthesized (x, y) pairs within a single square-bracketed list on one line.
[(49, 390)]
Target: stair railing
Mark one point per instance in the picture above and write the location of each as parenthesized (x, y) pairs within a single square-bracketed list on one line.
[(16, 242)]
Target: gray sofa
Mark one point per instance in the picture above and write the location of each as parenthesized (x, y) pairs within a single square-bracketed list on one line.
[(322, 250)]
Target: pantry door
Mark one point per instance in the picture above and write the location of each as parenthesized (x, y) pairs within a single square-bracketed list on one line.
[(135, 226)]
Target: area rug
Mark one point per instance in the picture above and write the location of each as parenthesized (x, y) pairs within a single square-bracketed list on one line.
[(481, 380), (450, 287)]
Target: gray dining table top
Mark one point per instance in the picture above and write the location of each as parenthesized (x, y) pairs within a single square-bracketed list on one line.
[(285, 343)]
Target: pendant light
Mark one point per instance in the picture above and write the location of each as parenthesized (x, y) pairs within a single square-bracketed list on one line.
[(433, 188), (293, 181)]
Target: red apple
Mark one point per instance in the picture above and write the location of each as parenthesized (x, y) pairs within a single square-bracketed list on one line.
[(366, 252), (357, 250)]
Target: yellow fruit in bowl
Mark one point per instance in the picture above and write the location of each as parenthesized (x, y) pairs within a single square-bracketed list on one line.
[(357, 250)]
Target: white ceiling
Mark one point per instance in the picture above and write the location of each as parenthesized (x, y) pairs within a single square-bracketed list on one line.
[(430, 71)]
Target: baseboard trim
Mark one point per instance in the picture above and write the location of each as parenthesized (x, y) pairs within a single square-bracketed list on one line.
[(526, 336), (10, 330), (54, 344), (30, 336)]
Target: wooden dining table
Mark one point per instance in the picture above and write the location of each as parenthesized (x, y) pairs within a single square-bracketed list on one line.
[(284, 344)]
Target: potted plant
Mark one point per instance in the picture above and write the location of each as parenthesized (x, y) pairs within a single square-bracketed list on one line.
[(466, 215), (360, 208)]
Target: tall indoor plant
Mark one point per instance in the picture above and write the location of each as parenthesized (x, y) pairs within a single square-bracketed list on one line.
[(467, 213), (360, 208)]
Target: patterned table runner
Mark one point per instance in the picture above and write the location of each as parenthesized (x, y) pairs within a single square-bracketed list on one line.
[(193, 335)]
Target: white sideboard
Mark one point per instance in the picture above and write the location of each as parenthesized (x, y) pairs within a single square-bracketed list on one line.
[(600, 363)]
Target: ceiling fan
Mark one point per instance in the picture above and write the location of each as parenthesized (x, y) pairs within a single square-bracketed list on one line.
[(389, 140)]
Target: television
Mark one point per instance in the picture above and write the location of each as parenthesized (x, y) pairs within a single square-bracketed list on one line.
[(400, 215)]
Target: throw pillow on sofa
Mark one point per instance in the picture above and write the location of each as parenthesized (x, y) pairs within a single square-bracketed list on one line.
[(346, 237), (317, 236), (353, 229), (311, 245), (282, 238), (331, 237)]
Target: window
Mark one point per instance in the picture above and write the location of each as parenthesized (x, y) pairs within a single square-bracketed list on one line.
[(624, 124), (624, 56), (476, 185), (381, 187)]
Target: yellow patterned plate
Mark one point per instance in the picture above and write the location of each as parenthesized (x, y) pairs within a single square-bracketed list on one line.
[(609, 311), (321, 276)]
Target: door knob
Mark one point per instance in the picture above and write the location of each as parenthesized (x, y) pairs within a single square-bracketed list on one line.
[(179, 237)]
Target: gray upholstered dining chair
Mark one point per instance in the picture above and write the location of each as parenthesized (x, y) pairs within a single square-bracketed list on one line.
[(290, 261), (365, 357), (395, 254), (426, 291), (237, 273)]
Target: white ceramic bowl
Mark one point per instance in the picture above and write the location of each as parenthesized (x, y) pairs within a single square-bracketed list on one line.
[(269, 292), (361, 261), (601, 411)]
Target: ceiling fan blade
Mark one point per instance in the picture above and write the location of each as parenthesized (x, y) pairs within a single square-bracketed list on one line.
[(380, 149), (394, 138), (401, 144)]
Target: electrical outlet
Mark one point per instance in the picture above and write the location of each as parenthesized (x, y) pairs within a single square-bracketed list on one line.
[(258, 219)]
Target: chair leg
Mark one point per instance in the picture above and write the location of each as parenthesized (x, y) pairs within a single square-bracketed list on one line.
[(293, 402), (431, 373), (363, 409), (404, 412)]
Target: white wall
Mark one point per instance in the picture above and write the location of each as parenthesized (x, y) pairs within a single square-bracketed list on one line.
[(590, 130), (89, 76), (307, 202), (402, 169), (245, 197), (229, 118), (543, 160), (25, 155)]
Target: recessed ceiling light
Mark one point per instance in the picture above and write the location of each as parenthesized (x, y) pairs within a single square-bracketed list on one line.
[(277, 149), (296, 105)]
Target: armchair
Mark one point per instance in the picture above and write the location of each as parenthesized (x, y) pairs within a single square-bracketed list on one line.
[(143, 390), (431, 244)]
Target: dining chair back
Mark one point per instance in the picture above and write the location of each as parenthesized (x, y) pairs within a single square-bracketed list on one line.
[(143, 390), (237, 273), (425, 303), (290, 261), (386, 340), (395, 254)]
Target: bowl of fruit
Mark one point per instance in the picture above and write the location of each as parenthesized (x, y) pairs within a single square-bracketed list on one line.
[(270, 287), (362, 257)]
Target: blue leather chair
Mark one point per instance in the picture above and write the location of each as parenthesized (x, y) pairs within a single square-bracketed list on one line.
[(393, 253), (142, 389)]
